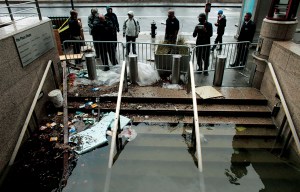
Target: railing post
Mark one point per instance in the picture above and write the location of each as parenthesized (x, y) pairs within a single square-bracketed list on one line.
[(9, 10), (219, 72), (133, 67), (38, 9), (91, 66), (176, 69)]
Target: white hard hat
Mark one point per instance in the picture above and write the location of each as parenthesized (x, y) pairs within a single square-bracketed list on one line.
[(130, 13)]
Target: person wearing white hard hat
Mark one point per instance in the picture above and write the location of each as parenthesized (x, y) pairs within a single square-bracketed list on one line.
[(131, 30)]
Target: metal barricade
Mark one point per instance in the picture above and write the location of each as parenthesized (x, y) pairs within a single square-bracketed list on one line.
[(107, 53), (236, 54)]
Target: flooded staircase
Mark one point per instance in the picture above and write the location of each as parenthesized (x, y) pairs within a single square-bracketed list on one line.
[(237, 136)]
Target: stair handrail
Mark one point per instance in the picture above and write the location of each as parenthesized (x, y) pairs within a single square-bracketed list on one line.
[(33, 104), (117, 116), (196, 121), (283, 102)]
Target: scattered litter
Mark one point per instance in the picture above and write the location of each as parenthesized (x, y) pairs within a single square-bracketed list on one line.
[(146, 117), (138, 107), (240, 129), (172, 86), (82, 106), (53, 138), (96, 135), (94, 105), (59, 113), (109, 133), (206, 92), (72, 129), (89, 103), (95, 89), (128, 133), (43, 128)]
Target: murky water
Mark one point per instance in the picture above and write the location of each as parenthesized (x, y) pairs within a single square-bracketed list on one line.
[(159, 159)]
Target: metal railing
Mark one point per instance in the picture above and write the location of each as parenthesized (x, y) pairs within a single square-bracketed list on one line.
[(283, 102), (22, 11), (236, 55), (108, 52)]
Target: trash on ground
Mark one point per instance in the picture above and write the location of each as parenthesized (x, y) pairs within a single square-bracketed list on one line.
[(96, 135), (59, 113), (206, 92), (172, 86), (53, 138), (147, 75), (128, 133), (240, 128)]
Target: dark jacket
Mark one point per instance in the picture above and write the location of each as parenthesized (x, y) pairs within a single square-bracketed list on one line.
[(172, 26), (203, 35), (247, 31), (74, 27), (103, 31), (93, 20), (114, 19), (221, 25)]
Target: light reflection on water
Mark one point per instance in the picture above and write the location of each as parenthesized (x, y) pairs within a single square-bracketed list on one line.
[(159, 160)]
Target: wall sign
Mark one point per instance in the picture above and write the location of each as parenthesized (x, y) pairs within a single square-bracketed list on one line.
[(34, 42)]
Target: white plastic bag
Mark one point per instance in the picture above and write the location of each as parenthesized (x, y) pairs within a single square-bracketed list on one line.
[(147, 75), (128, 133)]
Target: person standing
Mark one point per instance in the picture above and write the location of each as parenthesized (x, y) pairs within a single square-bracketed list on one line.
[(172, 27), (246, 34), (114, 19), (93, 20), (220, 24), (203, 31), (75, 28), (103, 31), (131, 30)]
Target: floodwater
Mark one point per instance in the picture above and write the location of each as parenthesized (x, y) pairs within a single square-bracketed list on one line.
[(160, 159)]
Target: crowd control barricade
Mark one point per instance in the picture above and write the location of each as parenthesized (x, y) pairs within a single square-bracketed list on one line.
[(236, 54), (106, 53)]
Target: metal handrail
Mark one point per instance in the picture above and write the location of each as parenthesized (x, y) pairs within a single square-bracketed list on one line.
[(117, 116), (283, 102), (24, 128), (11, 14), (196, 121), (17, 5)]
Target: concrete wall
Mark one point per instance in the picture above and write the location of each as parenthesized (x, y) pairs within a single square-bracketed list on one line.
[(285, 57), (17, 88)]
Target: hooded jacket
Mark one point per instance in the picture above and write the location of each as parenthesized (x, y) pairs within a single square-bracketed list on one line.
[(221, 25)]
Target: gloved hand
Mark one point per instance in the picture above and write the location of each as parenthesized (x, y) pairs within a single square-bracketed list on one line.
[(118, 30), (123, 34)]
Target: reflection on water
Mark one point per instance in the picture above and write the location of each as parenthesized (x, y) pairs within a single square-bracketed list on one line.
[(161, 158)]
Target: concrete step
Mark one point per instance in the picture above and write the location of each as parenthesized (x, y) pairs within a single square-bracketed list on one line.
[(211, 141), (224, 129), (179, 109), (174, 120)]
